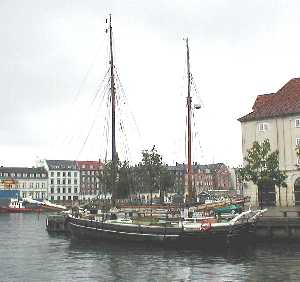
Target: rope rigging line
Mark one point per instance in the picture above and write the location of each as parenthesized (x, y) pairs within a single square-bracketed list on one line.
[(121, 125), (100, 87), (193, 83), (127, 102), (101, 101), (83, 81), (90, 129)]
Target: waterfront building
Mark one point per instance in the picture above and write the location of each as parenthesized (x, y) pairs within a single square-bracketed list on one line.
[(89, 179), (30, 181), (63, 180), (211, 177), (276, 117)]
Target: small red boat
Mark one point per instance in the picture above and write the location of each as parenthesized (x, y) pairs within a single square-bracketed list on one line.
[(18, 206)]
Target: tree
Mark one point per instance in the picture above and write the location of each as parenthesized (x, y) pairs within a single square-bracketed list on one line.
[(123, 180), (262, 167), (152, 171), (167, 181)]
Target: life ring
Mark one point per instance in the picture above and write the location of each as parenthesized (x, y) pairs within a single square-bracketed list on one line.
[(205, 226)]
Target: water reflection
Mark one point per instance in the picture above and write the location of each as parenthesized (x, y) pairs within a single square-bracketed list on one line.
[(29, 253)]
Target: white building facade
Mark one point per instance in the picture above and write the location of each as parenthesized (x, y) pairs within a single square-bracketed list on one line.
[(31, 182), (276, 117), (63, 180)]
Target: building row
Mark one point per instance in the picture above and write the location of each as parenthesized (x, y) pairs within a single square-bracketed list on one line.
[(55, 180), (67, 180)]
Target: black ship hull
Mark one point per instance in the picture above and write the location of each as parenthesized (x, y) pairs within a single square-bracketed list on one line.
[(168, 236)]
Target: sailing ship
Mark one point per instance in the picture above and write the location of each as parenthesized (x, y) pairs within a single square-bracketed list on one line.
[(194, 232)]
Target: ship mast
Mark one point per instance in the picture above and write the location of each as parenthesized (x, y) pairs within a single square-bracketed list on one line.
[(113, 114), (189, 107)]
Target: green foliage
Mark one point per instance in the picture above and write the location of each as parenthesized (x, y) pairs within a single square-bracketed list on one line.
[(123, 179), (297, 149), (148, 176), (262, 166)]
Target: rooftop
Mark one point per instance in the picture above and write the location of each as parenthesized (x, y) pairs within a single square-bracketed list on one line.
[(286, 101)]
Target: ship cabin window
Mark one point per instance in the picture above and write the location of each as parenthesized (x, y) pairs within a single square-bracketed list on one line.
[(262, 126), (297, 122)]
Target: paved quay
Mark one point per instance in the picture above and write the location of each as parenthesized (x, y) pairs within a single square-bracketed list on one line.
[(279, 223)]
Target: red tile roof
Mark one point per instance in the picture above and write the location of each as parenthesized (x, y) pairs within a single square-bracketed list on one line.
[(285, 101)]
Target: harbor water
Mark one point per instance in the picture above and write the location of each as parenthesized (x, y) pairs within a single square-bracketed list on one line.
[(29, 253)]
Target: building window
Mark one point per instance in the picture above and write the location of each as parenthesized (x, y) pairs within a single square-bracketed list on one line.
[(69, 173), (58, 190), (64, 190), (69, 190), (52, 198), (75, 174), (58, 198), (51, 181), (75, 181), (58, 181), (298, 141), (58, 174), (297, 122), (52, 190), (69, 181), (69, 198), (52, 173), (263, 126)]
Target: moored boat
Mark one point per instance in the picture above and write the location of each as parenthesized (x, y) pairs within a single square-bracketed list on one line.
[(19, 206), (190, 232), (194, 232)]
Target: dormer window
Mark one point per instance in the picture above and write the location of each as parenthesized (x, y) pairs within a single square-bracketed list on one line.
[(262, 126), (297, 122)]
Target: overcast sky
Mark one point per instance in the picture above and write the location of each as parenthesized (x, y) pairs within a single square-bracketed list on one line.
[(53, 58)]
